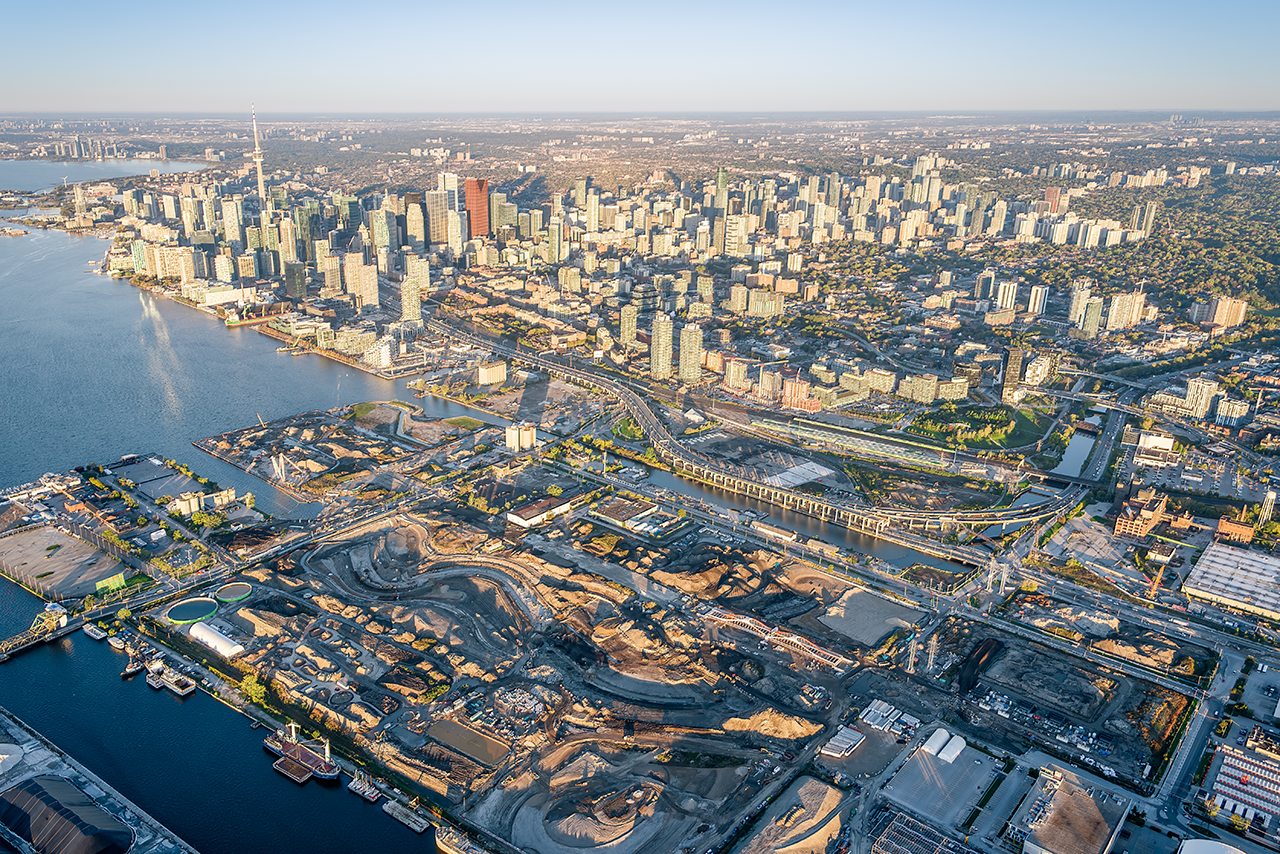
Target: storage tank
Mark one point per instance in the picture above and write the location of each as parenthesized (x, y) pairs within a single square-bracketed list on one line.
[(215, 640)]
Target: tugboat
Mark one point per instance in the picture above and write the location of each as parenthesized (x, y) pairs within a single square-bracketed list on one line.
[(134, 667)]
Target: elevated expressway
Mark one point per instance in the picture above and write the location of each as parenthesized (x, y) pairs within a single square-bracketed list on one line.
[(896, 525)]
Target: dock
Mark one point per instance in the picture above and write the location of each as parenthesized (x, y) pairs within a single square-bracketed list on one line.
[(405, 816), (295, 771)]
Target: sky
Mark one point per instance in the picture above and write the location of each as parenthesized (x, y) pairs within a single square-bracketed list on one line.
[(698, 55)]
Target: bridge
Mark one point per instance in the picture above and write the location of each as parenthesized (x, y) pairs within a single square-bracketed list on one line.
[(1105, 378), (45, 627), (884, 523)]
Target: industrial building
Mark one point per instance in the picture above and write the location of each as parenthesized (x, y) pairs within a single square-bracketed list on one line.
[(1236, 578), (51, 814), (842, 744), (215, 640), (1064, 814), (942, 780), (905, 835)]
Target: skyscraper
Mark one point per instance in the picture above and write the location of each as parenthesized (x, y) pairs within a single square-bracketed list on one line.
[(417, 278), (477, 196), (295, 280), (436, 203), (1081, 291), (660, 347), (555, 241), (1012, 375), (447, 183), (691, 353), (233, 223)]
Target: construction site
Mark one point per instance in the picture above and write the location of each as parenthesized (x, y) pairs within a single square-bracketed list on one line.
[(1023, 694)]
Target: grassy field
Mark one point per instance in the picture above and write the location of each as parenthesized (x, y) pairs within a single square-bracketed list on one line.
[(628, 429), (465, 422)]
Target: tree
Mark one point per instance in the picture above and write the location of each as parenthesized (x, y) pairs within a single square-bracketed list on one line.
[(555, 491), (254, 691)]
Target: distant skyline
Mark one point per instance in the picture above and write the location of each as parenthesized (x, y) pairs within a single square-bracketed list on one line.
[(571, 56)]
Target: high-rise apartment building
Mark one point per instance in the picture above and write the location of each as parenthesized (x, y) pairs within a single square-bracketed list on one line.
[(735, 375), (1200, 396), (1091, 321), (627, 329), (1038, 299), (1126, 310), (1012, 375), (660, 346), (691, 353), (1081, 291), (1007, 295)]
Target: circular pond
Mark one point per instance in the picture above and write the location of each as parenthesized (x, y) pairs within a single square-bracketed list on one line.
[(233, 592), (191, 610)]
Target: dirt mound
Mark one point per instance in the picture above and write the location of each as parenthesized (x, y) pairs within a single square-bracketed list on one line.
[(773, 724)]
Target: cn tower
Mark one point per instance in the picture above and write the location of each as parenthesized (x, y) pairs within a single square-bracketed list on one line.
[(263, 202)]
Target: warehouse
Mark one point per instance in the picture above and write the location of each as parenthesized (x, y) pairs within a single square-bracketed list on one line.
[(215, 640), (1062, 815), (54, 816), (1236, 578)]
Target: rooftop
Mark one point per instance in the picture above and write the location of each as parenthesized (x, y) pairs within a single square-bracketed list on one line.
[(1239, 578), (1063, 815)]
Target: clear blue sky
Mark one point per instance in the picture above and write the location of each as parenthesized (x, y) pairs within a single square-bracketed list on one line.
[(563, 55)]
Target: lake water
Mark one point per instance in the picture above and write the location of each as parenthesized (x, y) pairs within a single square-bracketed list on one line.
[(37, 175), (95, 369)]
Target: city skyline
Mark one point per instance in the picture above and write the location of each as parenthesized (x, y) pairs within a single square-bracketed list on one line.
[(661, 57)]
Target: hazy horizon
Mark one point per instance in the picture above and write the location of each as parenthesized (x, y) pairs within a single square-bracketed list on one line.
[(661, 57)]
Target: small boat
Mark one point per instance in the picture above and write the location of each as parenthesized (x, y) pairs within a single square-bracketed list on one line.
[(94, 632), (117, 643), (133, 669), (153, 679)]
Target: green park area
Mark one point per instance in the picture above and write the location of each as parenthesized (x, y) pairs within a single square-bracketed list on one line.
[(983, 428)]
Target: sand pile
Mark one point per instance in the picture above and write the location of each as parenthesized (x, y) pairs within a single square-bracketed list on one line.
[(772, 723)]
